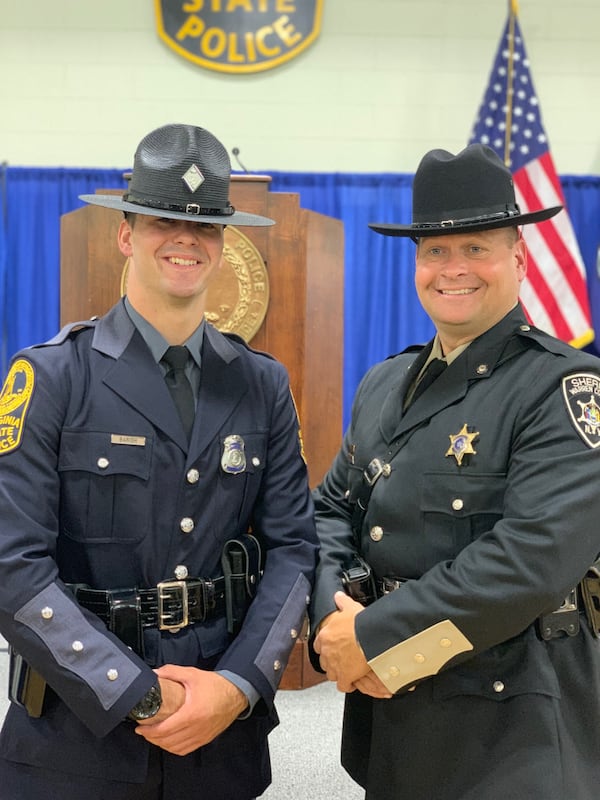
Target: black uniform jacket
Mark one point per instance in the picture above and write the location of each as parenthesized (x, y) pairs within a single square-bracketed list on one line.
[(98, 485), (491, 512)]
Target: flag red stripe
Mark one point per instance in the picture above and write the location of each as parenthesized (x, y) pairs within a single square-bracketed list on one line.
[(565, 266), (546, 297)]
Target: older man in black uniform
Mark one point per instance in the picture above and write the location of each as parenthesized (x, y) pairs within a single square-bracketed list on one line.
[(462, 512), (146, 462)]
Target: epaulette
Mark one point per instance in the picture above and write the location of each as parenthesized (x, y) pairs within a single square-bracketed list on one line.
[(68, 331), (544, 339), (237, 338), (413, 348)]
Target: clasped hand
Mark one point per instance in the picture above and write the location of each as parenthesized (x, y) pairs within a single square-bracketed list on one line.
[(197, 706), (341, 655)]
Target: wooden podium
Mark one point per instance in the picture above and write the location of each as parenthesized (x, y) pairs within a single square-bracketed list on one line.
[(302, 326)]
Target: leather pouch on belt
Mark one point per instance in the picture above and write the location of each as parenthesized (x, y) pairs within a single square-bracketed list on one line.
[(359, 582), (26, 687), (126, 618), (590, 593), (241, 563)]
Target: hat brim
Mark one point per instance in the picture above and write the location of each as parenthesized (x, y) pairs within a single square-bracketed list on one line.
[(116, 201), (415, 231)]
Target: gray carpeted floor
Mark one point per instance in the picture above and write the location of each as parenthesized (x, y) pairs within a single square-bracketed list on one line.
[(304, 748)]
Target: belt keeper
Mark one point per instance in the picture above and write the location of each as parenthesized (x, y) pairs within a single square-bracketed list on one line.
[(125, 619)]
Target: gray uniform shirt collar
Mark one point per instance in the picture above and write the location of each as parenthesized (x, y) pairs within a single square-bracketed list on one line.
[(158, 345)]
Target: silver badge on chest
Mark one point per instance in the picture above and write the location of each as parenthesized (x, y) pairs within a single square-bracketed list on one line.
[(233, 459)]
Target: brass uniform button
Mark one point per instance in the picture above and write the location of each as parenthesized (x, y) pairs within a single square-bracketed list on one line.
[(376, 533)]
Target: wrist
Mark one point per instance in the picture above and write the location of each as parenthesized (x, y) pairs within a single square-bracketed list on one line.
[(148, 706)]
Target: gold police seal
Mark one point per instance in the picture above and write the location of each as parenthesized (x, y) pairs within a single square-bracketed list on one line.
[(238, 298)]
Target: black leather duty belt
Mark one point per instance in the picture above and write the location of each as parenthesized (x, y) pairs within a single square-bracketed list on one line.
[(169, 606)]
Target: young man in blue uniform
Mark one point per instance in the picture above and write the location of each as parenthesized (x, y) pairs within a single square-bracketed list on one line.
[(471, 663), (149, 646)]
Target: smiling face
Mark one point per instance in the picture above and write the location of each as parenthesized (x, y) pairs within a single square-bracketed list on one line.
[(467, 282), (171, 262)]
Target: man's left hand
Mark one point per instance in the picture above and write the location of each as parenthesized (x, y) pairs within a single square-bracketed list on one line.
[(340, 654), (211, 704)]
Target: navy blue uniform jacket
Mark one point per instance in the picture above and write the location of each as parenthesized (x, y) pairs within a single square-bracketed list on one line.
[(488, 539), (82, 502)]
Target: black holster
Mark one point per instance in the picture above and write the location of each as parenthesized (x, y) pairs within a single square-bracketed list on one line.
[(590, 594), (26, 687), (241, 563), (358, 581)]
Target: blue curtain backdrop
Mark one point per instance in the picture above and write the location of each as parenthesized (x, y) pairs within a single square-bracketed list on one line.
[(35, 200), (382, 313)]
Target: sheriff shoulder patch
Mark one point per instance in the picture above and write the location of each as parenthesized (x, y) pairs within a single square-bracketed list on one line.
[(14, 402), (582, 395)]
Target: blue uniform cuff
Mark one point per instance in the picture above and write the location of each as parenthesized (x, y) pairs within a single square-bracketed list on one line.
[(244, 686)]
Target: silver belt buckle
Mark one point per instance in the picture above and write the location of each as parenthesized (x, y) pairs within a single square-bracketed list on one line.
[(172, 591)]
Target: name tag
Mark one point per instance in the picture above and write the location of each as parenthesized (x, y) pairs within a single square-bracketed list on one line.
[(136, 441)]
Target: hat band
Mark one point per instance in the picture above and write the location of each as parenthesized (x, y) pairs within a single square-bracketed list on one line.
[(193, 209), (449, 223)]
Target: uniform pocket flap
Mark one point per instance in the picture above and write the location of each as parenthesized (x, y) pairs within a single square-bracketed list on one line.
[(460, 495), (519, 666), (105, 453)]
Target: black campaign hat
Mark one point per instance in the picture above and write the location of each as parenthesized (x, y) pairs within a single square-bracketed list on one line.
[(180, 172), (470, 191)]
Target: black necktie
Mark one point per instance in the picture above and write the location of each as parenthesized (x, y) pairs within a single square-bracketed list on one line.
[(181, 390), (433, 370)]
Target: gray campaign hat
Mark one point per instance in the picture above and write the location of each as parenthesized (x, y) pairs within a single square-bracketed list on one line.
[(180, 172)]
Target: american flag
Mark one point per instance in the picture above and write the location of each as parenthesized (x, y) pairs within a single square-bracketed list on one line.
[(554, 294)]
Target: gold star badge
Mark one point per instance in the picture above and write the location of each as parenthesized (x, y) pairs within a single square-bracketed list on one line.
[(461, 444)]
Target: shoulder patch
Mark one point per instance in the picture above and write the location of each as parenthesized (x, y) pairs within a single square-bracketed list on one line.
[(581, 392), (14, 402), (300, 439)]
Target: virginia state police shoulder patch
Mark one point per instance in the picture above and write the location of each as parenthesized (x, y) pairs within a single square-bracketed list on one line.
[(14, 402), (582, 395)]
